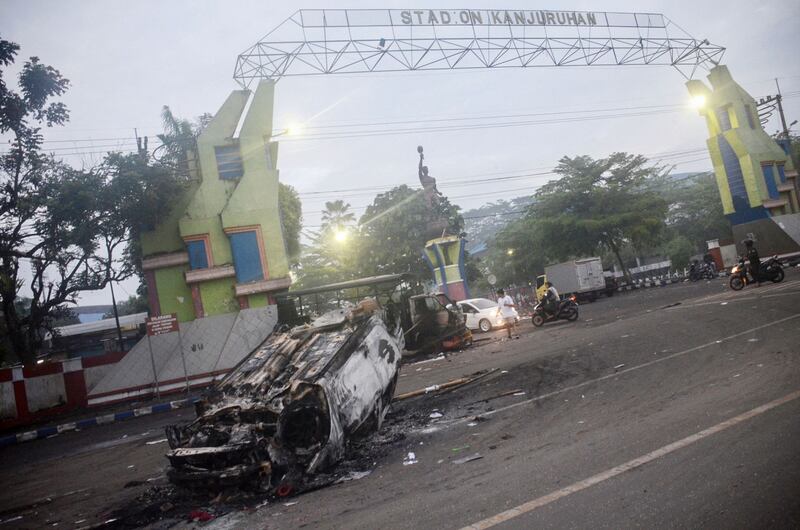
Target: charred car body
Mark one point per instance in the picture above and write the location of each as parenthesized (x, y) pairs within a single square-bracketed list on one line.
[(287, 410)]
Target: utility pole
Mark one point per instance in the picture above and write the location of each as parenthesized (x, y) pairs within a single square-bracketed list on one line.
[(779, 98), (788, 138), (116, 316)]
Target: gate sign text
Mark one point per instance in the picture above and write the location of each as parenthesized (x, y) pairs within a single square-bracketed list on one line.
[(469, 17)]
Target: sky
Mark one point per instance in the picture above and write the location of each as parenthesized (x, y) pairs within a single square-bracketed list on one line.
[(125, 60)]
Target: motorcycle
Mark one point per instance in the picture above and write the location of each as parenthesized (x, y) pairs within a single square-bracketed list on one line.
[(770, 270), (567, 310), (701, 270)]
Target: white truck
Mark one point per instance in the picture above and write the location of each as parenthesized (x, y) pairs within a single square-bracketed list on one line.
[(581, 277)]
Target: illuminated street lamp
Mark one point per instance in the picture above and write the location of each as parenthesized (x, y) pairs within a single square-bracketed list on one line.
[(340, 236), (510, 252), (293, 129), (699, 101)]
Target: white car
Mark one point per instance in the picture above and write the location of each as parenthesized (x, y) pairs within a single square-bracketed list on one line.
[(483, 314)]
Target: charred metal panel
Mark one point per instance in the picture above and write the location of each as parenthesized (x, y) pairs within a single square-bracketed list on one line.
[(287, 410)]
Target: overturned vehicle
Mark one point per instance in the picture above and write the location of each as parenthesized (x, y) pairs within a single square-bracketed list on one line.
[(287, 410)]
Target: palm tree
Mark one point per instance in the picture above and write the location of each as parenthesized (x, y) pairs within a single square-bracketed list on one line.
[(178, 140), (336, 215)]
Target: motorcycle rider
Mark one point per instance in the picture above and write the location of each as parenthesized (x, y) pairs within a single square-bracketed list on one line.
[(755, 262), (550, 301)]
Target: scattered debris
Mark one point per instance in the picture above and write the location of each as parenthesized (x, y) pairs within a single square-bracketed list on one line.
[(457, 449), (470, 458), (410, 458), (471, 424), (723, 303), (353, 475), (154, 442), (439, 358), (436, 415), (445, 386), (287, 504), (752, 340), (617, 367), (736, 375), (200, 515), (518, 393)]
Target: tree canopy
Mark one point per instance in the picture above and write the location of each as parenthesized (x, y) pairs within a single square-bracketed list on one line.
[(62, 230)]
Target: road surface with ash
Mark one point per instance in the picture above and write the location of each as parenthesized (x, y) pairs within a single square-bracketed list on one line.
[(666, 407)]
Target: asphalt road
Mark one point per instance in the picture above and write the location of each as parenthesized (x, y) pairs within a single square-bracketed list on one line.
[(668, 407)]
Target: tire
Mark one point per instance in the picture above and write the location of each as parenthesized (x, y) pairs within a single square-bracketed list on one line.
[(573, 315), (484, 325), (778, 278), (538, 320), (736, 283)]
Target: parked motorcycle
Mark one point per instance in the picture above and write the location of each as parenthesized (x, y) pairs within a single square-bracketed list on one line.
[(771, 270), (567, 310), (701, 270)]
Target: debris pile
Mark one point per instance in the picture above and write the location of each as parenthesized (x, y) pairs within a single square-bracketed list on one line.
[(287, 410)]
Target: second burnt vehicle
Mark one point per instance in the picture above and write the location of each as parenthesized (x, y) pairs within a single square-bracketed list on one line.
[(283, 416)]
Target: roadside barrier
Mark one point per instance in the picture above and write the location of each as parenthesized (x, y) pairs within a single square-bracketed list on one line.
[(54, 430)]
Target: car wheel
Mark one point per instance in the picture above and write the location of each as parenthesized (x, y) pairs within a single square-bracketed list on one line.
[(485, 325)]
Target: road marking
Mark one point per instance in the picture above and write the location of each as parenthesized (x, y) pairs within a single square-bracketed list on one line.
[(733, 299), (627, 466), (626, 370)]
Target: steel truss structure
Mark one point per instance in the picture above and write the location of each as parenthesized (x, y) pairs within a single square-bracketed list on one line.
[(352, 41)]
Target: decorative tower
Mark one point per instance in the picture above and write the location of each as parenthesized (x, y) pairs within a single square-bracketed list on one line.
[(222, 248), (445, 254), (756, 179)]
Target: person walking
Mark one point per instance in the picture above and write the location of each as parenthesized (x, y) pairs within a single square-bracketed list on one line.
[(505, 306)]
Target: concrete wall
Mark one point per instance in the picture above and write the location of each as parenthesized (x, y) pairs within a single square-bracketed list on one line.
[(211, 346), (50, 389), (8, 404)]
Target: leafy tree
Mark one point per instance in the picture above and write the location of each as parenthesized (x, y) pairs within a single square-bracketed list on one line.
[(679, 250), (134, 304), (517, 253), (67, 227), (394, 229), (291, 210), (695, 211), (599, 204), (329, 258)]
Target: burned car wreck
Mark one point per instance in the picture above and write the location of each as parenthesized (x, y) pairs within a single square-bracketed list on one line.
[(286, 412)]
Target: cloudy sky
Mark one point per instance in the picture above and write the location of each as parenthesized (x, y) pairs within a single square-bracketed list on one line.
[(126, 60)]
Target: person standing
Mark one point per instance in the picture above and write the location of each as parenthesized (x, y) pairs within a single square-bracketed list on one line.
[(505, 306), (755, 261)]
